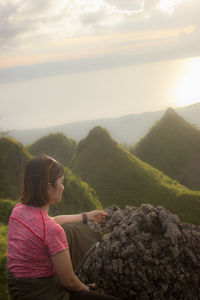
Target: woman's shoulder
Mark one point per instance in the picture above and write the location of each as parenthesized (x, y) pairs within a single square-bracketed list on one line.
[(17, 209), (20, 208)]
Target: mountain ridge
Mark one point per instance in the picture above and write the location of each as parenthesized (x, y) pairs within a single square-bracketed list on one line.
[(125, 129)]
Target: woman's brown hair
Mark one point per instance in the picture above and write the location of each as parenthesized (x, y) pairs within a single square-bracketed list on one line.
[(39, 173)]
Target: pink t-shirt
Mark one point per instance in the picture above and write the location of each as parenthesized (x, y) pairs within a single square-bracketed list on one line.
[(33, 237)]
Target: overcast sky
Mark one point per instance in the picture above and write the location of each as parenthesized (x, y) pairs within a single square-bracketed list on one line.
[(67, 60)]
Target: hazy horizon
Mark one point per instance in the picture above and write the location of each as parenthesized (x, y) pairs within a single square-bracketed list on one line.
[(106, 118)]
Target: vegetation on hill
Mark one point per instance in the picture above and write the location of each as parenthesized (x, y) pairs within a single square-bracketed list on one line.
[(3, 278), (173, 146), (6, 207), (3, 250), (3, 238), (123, 179), (13, 158), (57, 145), (77, 197)]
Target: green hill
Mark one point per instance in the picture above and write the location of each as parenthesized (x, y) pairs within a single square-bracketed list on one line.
[(6, 207), (13, 158), (123, 179), (77, 197), (3, 279), (3, 238), (56, 145), (173, 146), (3, 249)]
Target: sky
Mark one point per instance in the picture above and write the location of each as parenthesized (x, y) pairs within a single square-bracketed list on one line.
[(65, 61)]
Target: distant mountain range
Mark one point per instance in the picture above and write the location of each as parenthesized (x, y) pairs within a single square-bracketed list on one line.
[(126, 129), (173, 146)]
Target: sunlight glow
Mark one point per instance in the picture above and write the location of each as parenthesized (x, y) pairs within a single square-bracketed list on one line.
[(188, 87), (168, 5)]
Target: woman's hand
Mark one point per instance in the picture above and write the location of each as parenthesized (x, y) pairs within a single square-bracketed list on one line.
[(97, 215)]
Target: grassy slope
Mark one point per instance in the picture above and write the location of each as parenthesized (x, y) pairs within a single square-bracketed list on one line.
[(13, 158), (121, 178), (3, 238), (173, 146), (56, 145), (3, 249), (6, 207)]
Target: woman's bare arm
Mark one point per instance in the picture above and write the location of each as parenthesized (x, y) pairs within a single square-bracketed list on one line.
[(67, 219), (94, 216), (64, 270)]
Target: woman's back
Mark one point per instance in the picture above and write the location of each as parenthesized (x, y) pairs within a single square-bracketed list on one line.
[(32, 238)]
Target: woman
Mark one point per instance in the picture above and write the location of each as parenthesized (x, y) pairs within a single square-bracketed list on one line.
[(39, 261)]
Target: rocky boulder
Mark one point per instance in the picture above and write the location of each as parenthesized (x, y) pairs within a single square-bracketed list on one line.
[(146, 253)]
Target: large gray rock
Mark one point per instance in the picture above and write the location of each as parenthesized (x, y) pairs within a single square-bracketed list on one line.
[(146, 253)]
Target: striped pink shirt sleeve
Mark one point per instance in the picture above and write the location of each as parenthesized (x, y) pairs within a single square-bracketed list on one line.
[(55, 239)]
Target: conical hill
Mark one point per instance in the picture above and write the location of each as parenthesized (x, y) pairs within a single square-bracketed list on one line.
[(173, 146), (13, 158), (123, 179), (57, 145)]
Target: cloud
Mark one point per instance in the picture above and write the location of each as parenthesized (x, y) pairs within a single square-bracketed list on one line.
[(145, 51), (108, 31), (125, 4), (19, 21), (22, 20)]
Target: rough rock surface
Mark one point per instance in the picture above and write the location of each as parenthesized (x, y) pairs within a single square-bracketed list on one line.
[(146, 253)]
